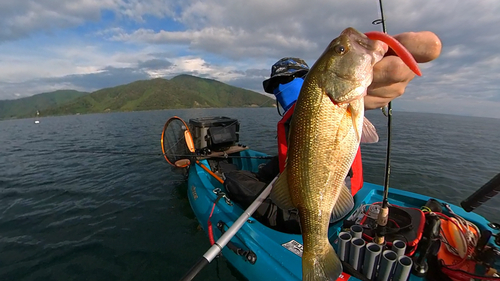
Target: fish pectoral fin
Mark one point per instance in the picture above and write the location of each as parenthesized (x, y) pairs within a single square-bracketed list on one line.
[(356, 113), (344, 204), (369, 134), (280, 194)]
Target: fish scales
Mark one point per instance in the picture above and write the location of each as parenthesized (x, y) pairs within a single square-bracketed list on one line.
[(325, 133), (325, 159)]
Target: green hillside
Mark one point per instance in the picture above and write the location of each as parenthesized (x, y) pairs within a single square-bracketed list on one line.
[(183, 91), (27, 107)]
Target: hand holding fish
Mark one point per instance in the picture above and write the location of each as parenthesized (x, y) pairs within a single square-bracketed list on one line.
[(391, 75), (325, 132)]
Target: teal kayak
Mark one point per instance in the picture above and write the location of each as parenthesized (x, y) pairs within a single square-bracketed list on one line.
[(260, 252)]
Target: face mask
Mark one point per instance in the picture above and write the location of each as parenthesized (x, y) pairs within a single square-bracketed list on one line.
[(287, 94)]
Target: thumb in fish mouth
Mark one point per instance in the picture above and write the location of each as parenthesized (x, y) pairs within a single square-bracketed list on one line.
[(425, 46), (391, 75), (398, 48)]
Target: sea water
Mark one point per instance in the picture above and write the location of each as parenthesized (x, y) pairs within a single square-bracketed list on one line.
[(90, 197)]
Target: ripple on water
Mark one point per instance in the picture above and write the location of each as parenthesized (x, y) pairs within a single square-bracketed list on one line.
[(85, 197)]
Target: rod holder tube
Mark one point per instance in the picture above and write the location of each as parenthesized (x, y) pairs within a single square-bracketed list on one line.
[(399, 247), (356, 252), (403, 268), (387, 262), (356, 231), (344, 246), (372, 256)]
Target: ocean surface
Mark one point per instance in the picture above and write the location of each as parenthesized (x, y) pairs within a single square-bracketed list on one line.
[(90, 197)]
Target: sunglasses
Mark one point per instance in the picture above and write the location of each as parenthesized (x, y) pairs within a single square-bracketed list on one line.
[(271, 84)]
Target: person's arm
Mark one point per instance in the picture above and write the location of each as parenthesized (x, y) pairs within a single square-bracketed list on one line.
[(391, 75)]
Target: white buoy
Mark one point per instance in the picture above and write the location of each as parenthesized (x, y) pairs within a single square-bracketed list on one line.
[(37, 115)]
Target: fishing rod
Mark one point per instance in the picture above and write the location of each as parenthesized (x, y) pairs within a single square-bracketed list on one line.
[(226, 237), (383, 215), (220, 155)]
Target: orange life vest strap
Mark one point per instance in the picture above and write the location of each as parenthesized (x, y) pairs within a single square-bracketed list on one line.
[(357, 173), (282, 137)]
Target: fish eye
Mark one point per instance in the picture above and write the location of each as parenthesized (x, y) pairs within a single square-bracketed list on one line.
[(339, 49)]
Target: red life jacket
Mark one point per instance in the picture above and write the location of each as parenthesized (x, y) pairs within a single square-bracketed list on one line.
[(283, 125)]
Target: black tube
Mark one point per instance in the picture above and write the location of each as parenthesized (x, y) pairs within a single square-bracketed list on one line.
[(487, 191), (202, 262), (353, 272), (425, 247)]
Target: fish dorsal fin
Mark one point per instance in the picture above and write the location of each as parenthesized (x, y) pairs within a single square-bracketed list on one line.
[(369, 134), (280, 194), (343, 206)]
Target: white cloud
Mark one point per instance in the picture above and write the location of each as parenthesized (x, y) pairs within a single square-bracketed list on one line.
[(20, 18), (228, 42), (235, 41)]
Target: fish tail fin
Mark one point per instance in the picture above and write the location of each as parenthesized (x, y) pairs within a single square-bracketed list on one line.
[(325, 265)]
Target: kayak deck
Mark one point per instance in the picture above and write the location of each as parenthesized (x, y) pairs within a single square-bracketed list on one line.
[(277, 255)]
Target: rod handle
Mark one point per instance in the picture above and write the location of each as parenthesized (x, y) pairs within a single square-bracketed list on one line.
[(202, 262), (483, 194)]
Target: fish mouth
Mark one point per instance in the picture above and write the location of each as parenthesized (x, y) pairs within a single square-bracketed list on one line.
[(358, 97), (364, 54), (364, 44), (378, 43)]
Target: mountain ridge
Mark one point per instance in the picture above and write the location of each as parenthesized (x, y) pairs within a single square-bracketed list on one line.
[(28, 106), (182, 91)]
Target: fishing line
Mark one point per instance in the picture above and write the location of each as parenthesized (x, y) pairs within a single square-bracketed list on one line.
[(105, 152), (90, 151)]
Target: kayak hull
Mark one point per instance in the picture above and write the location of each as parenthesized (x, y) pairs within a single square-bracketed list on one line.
[(278, 254)]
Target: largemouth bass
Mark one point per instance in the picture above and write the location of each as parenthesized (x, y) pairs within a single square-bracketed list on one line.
[(325, 133)]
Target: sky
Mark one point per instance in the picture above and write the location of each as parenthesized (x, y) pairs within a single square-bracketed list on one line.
[(87, 45)]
